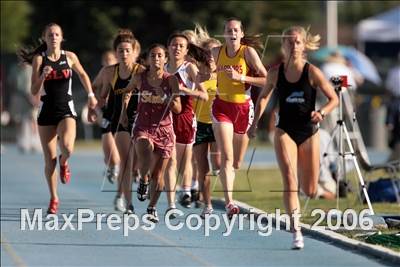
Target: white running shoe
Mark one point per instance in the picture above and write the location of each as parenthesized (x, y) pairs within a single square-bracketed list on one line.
[(112, 173), (206, 210), (298, 241), (119, 203)]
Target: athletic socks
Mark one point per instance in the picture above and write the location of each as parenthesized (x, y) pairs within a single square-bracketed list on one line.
[(195, 185)]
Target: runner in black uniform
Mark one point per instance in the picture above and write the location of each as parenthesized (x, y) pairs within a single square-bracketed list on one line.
[(296, 136), (56, 99), (115, 80), (52, 71), (118, 86), (296, 102)]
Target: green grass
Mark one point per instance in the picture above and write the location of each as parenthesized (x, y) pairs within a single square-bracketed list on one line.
[(94, 144), (383, 237), (262, 189), (82, 144)]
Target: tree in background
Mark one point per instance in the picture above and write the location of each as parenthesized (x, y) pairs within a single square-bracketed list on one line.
[(15, 24), (89, 26)]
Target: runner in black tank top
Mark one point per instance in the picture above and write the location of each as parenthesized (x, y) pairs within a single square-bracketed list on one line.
[(116, 79), (56, 100), (51, 74), (118, 91), (296, 102), (296, 138)]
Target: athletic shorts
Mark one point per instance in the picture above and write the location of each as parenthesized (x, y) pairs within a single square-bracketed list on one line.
[(299, 133), (105, 126), (162, 138), (204, 133), (116, 127), (52, 115), (185, 128), (240, 115)]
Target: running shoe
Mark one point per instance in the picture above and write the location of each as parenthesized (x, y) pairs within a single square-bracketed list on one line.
[(153, 216), (185, 200), (65, 172), (206, 210), (195, 195), (119, 203), (231, 209), (172, 213), (143, 190), (53, 206), (298, 241), (112, 174), (130, 209)]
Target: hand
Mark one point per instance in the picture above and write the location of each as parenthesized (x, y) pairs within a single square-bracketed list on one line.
[(92, 102), (316, 117), (233, 74), (92, 115), (251, 132), (46, 71)]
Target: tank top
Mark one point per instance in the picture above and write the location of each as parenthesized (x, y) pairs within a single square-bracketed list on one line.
[(296, 100), (58, 84), (153, 110), (229, 90), (183, 79), (203, 108), (118, 85)]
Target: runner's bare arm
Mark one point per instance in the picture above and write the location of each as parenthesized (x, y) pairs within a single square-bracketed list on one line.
[(175, 103)]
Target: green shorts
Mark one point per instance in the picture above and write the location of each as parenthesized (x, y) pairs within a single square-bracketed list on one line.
[(204, 133)]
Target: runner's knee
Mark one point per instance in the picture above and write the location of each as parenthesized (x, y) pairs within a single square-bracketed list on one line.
[(50, 164)]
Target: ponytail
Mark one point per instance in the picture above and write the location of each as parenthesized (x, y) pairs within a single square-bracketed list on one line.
[(253, 41), (311, 42), (26, 54), (199, 54)]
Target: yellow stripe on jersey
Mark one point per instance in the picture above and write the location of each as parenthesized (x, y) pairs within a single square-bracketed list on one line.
[(228, 89), (115, 77), (203, 108), (135, 69)]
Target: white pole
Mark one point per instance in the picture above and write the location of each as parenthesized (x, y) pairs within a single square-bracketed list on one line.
[(331, 23)]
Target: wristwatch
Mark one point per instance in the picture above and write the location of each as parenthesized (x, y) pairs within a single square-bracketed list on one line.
[(322, 112)]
